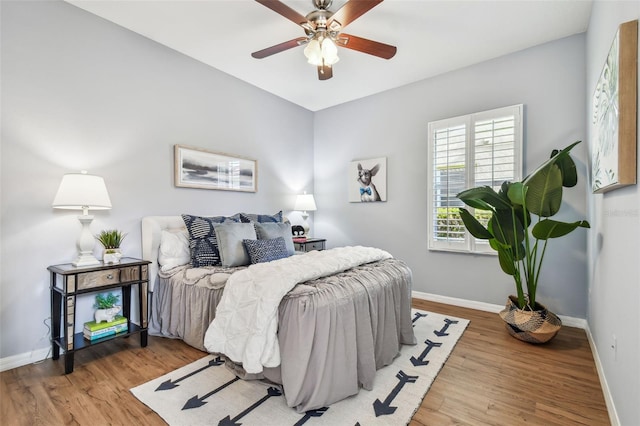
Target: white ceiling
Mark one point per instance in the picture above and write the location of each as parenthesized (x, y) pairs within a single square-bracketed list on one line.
[(432, 37)]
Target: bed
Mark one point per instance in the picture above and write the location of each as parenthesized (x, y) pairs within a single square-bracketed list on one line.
[(333, 332)]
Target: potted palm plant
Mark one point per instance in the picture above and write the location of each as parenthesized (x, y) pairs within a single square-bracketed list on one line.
[(521, 241), (111, 240)]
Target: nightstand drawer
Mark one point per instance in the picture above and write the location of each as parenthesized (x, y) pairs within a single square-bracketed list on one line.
[(310, 244), (113, 276), (318, 245)]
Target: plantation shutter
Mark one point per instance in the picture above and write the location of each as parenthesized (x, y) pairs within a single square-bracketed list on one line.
[(448, 176), (464, 152)]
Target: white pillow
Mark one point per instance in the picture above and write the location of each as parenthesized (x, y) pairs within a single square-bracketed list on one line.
[(174, 249)]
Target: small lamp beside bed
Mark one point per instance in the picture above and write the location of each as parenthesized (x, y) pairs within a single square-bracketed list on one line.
[(82, 191), (304, 203)]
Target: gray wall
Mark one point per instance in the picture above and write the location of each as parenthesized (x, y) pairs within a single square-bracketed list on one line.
[(81, 93), (614, 244), (548, 79)]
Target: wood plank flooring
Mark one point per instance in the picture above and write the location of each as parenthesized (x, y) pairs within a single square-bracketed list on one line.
[(489, 379)]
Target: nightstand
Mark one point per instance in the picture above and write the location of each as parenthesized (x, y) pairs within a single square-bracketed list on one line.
[(68, 282), (310, 244)]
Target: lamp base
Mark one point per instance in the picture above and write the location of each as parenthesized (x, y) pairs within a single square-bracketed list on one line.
[(85, 244), (305, 224), (85, 259)]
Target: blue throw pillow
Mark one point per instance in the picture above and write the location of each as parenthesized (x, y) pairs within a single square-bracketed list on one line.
[(266, 250), (203, 244), (261, 218)]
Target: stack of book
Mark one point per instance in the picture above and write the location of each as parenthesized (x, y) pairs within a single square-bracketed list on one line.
[(100, 330)]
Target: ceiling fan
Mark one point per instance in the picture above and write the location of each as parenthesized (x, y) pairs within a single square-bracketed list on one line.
[(323, 33)]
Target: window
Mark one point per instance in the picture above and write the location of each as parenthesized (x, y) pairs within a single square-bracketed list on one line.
[(464, 152)]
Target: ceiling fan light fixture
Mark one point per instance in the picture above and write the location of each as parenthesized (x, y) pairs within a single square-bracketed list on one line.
[(329, 52), (321, 51), (313, 52), (323, 33)]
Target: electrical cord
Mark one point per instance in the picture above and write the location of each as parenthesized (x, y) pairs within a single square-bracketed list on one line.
[(46, 336)]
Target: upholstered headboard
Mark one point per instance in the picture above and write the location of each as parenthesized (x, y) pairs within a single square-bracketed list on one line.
[(152, 227)]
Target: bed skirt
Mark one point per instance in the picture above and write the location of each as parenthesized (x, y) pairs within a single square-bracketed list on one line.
[(334, 332)]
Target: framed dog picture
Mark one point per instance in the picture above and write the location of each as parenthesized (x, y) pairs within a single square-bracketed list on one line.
[(368, 180)]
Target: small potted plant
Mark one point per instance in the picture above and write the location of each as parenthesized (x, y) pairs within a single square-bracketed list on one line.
[(111, 240), (519, 229), (106, 308)]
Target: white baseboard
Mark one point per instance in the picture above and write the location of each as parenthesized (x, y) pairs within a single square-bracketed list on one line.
[(19, 360), (488, 307), (608, 398)]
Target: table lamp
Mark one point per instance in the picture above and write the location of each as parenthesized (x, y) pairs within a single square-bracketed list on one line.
[(304, 203), (82, 191)]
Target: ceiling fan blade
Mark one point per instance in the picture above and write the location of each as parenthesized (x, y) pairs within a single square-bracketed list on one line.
[(260, 54), (352, 10), (381, 50), (284, 10), (325, 72)]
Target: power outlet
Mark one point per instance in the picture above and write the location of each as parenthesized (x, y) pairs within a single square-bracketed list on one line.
[(614, 346)]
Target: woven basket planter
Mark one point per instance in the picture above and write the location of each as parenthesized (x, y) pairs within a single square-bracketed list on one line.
[(537, 326)]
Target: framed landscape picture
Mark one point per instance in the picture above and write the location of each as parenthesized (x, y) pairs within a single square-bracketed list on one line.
[(200, 168), (614, 114)]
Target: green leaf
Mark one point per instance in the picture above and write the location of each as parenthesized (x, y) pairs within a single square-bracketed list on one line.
[(552, 160), (506, 261), (550, 228), (568, 170), (523, 214), (517, 193), (544, 191), (544, 195), (483, 198), (503, 228), (474, 227)]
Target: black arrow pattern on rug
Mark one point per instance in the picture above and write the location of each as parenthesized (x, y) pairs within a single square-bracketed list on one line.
[(195, 402), (416, 317), (311, 413), (228, 421), (170, 384), (443, 331), (384, 408), (420, 360)]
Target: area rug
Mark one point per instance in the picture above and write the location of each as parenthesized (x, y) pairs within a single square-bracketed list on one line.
[(205, 392)]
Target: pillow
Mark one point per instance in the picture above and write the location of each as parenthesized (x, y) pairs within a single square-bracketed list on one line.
[(261, 218), (229, 236), (266, 250), (174, 249), (203, 245), (268, 231)]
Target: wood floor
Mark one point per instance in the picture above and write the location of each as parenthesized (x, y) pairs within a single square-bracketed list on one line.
[(489, 379)]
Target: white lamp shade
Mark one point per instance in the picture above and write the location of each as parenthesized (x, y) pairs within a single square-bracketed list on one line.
[(80, 191), (305, 202)]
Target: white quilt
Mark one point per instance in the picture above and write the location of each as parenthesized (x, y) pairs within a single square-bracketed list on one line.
[(246, 321)]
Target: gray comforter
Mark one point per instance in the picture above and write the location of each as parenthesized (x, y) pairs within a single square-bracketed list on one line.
[(334, 332)]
